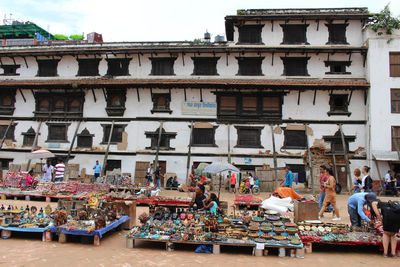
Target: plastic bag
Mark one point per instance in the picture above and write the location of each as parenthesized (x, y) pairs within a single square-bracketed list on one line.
[(204, 249)]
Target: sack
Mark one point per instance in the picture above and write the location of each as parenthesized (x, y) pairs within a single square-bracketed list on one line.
[(394, 206), (204, 249), (338, 188)]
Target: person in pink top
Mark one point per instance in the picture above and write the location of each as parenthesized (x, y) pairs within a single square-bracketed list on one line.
[(29, 178), (323, 178), (233, 182)]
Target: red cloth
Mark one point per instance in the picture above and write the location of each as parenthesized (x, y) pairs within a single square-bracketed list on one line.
[(322, 179)]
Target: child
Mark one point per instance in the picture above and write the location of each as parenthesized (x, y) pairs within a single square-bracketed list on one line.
[(211, 203)]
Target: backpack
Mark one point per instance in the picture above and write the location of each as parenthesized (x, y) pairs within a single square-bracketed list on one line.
[(338, 188), (394, 206)]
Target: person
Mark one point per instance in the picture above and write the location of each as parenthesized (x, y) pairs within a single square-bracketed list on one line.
[(323, 178), (149, 173), (198, 197), (356, 182), (175, 182), (288, 178), (390, 221), (330, 196), (233, 182), (59, 170), (366, 184), (355, 208), (211, 203), (48, 172), (97, 169), (29, 178), (390, 183), (251, 182), (157, 176), (256, 181)]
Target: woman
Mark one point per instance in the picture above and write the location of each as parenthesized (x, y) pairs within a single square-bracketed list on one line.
[(330, 196), (29, 178), (323, 178), (198, 197), (251, 182), (356, 182), (366, 184), (211, 203), (390, 220)]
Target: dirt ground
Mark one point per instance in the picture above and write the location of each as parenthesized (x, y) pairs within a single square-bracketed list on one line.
[(29, 250)]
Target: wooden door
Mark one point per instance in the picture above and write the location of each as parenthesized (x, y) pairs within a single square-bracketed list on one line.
[(163, 165), (342, 176), (140, 171)]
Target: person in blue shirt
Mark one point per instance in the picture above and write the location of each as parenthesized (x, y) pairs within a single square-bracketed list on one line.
[(288, 179), (355, 207), (97, 169)]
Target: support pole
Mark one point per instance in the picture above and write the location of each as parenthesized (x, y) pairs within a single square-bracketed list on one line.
[(274, 155), (346, 158), (34, 143), (158, 144), (309, 160), (5, 134), (229, 143), (189, 152), (72, 144), (334, 168), (108, 148)]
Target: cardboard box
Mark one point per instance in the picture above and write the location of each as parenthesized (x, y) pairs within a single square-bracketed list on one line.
[(305, 211)]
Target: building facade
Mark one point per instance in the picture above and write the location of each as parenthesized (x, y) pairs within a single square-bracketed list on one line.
[(296, 76)]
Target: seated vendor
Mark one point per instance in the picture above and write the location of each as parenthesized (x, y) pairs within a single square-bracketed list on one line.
[(198, 197), (29, 178), (355, 207), (211, 203)]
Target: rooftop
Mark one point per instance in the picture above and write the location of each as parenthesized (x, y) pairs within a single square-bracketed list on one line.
[(304, 11), (23, 30)]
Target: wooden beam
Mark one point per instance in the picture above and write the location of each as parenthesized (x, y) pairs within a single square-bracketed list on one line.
[(138, 55), (227, 61), (272, 60), (5, 133), (349, 99), (317, 24), (272, 25), (23, 97), (315, 96), (298, 98), (137, 93), (183, 58), (229, 143), (108, 148), (365, 97), (189, 151), (72, 143), (346, 159), (184, 93), (201, 95), (94, 96), (104, 93)]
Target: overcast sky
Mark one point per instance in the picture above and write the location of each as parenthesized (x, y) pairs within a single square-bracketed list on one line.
[(153, 20)]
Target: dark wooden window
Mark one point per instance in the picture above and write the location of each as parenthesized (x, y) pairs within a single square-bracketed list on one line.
[(5, 164), (116, 99), (59, 104), (249, 137), (250, 66), (7, 101), (295, 139), (205, 65), (337, 67), (10, 70), (58, 132), (294, 33), (162, 65), (249, 107), (295, 66), (116, 136), (203, 137), (10, 133), (161, 102), (250, 34), (112, 164), (29, 137), (47, 67), (118, 66), (164, 141), (395, 99), (337, 33), (336, 142), (394, 61), (339, 105), (88, 66), (85, 139), (395, 137)]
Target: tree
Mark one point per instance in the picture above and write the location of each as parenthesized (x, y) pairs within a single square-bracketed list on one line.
[(76, 37), (60, 37), (384, 22)]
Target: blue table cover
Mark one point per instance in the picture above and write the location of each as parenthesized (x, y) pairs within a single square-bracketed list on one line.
[(25, 229), (99, 232)]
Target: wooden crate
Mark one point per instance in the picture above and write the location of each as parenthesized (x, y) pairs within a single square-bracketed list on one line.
[(305, 211)]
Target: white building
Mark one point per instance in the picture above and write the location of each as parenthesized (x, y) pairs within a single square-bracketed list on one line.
[(289, 68)]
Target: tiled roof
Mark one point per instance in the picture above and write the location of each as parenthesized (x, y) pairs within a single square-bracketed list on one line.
[(305, 11)]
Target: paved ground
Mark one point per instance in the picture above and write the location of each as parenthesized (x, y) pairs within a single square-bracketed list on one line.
[(30, 251)]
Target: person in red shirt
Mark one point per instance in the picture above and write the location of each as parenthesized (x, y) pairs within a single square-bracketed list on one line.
[(233, 182), (323, 178), (29, 178)]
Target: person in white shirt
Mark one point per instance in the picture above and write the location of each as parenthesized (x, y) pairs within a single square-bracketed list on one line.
[(48, 172), (149, 174), (59, 170), (251, 181)]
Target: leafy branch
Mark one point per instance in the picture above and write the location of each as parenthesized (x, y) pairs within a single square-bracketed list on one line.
[(384, 22)]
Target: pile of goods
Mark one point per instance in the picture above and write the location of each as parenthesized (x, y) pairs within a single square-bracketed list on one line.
[(25, 217), (336, 233), (189, 225)]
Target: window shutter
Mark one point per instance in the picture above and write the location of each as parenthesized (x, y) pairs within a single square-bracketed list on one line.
[(271, 103), (249, 103), (228, 103), (394, 60)]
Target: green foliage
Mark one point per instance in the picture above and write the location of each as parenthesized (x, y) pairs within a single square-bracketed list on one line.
[(197, 41), (76, 37), (240, 12), (60, 37), (384, 22)]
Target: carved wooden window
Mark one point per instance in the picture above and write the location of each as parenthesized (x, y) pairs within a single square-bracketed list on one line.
[(337, 67), (10, 133), (203, 137), (339, 104), (47, 67), (57, 132), (294, 33), (337, 33), (250, 66), (60, 105), (85, 139), (88, 66), (7, 101), (116, 99), (249, 137), (164, 141), (394, 61), (295, 66), (295, 139), (162, 65), (250, 34), (205, 65), (161, 102), (10, 70), (118, 66), (116, 136), (29, 137)]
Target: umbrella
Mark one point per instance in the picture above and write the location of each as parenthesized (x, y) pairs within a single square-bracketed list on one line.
[(200, 168), (41, 154), (218, 167)]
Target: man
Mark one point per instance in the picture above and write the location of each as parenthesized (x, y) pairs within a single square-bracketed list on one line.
[(149, 174), (390, 183), (59, 170), (157, 176), (97, 170), (288, 179), (355, 207), (233, 182), (48, 172)]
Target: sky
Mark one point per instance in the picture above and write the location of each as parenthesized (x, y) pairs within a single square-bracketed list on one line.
[(153, 20)]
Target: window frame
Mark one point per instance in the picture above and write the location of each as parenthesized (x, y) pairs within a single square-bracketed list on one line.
[(114, 110), (298, 145), (213, 62), (392, 101), (285, 28), (7, 109), (212, 144), (331, 33), (334, 110), (251, 27), (287, 61), (155, 60), (41, 63), (124, 70), (239, 143), (9, 67), (332, 64), (28, 134), (11, 132), (153, 136), (392, 64), (156, 109), (52, 97), (49, 137), (393, 129), (84, 134), (81, 65), (242, 62), (105, 137)]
